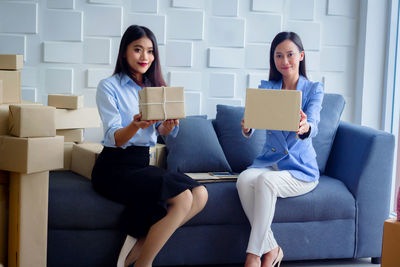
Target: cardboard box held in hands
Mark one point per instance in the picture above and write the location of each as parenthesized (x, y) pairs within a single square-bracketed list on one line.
[(162, 103), (272, 109)]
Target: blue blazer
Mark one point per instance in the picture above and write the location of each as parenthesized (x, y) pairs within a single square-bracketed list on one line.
[(290, 152)]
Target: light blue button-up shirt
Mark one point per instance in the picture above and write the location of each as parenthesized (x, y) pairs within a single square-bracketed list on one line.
[(283, 148), (117, 100)]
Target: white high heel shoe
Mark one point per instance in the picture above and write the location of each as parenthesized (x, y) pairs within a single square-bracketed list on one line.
[(126, 248)]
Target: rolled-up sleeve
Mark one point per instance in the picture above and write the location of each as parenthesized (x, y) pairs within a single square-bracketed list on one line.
[(173, 133), (313, 109), (108, 110)]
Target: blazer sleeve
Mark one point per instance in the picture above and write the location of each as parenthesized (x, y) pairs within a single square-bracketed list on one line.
[(313, 108)]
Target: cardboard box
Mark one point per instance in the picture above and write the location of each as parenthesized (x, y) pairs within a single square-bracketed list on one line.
[(11, 86), (4, 114), (67, 156), (71, 135), (65, 101), (29, 155), (11, 62), (390, 244), (272, 109), (27, 243), (161, 103), (32, 121), (1, 91), (77, 118), (3, 223), (83, 158), (4, 177)]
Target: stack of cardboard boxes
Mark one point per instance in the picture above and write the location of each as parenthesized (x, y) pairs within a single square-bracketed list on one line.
[(29, 148)]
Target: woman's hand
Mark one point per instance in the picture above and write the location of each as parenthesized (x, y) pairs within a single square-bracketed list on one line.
[(245, 130), (142, 124), (304, 127), (167, 126)]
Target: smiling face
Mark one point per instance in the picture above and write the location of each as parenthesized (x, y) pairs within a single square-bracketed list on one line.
[(140, 56), (287, 59)]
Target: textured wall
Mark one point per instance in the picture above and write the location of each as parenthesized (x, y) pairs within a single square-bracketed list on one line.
[(214, 48)]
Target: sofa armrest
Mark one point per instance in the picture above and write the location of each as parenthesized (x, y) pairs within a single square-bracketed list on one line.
[(362, 158)]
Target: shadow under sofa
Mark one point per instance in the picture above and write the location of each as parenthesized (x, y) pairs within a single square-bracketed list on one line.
[(342, 218)]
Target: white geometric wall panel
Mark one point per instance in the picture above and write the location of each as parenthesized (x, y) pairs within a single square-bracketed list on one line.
[(346, 37), (257, 56), (226, 32), (267, 5), (185, 24), (222, 85), (312, 61), (302, 9), (179, 54), (12, 44), (59, 25), (226, 58), (190, 80), (262, 28), (148, 6), (114, 2), (188, 3), (211, 105), (28, 94), (94, 76), (333, 58), (61, 4), (89, 98), (97, 50), (227, 8), (28, 76), (59, 80), (19, 17), (254, 79), (103, 21), (309, 32), (155, 23), (343, 8), (192, 103), (65, 52)]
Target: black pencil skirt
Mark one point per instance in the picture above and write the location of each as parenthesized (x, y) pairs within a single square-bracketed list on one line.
[(125, 176)]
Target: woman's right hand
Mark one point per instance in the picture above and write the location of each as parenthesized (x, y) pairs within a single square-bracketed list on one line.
[(142, 124), (245, 130)]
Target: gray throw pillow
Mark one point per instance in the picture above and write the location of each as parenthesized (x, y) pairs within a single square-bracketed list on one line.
[(239, 150), (332, 108), (195, 148)]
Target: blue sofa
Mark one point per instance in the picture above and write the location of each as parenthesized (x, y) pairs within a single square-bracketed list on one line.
[(342, 218)]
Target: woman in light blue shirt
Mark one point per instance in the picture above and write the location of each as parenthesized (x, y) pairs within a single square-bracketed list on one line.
[(156, 201), (286, 166)]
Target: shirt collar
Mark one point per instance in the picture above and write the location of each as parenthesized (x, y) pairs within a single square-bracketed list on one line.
[(125, 79)]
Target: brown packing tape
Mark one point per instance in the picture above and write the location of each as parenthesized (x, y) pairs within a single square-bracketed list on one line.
[(160, 103), (11, 62), (28, 219), (11, 86), (272, 109), (29, 155)]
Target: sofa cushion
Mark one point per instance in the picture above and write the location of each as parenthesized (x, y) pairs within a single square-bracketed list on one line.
[(239, 150), (195, 148), (332, 107), (330, 200), (73, 204)]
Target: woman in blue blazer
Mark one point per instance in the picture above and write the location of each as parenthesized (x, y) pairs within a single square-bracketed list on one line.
[(286, 166)]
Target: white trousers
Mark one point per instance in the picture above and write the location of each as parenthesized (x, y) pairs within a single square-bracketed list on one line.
[(258, 190)]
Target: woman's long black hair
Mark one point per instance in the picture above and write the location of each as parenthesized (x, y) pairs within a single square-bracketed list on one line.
[(153, 74), (274, 74)]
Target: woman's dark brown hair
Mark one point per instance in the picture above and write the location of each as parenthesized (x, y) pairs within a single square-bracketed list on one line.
[(153, 74), (274, 74)]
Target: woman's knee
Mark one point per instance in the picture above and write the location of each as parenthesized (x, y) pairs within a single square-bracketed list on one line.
[(200, 195), (184, 200)]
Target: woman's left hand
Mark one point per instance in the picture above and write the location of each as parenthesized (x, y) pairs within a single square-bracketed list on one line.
[(167, 126), (304, 127)]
